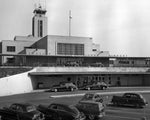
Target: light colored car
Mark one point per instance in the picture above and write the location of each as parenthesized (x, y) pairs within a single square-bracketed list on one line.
[(91, 109), (92, 97)]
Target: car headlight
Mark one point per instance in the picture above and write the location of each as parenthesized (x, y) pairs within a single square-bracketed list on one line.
[(34, 117), (38, 117)]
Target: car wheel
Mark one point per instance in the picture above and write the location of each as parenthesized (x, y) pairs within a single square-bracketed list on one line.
[(105, 88), (91, 117), (115, 103), (55, 90), (60, 118), (88, 88), (72, 89), (137, 106)]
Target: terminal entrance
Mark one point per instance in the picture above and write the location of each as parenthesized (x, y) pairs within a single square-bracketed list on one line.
[(124, 80)]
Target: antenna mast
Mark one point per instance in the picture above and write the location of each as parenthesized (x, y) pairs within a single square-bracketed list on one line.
[(45, 4), (70, 17)]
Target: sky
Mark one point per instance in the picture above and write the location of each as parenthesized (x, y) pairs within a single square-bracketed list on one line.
[(121, 27)]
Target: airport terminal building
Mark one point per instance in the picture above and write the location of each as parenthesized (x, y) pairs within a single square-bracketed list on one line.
[(58, 59)]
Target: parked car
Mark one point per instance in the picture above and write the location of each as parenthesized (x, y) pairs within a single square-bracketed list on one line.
[(96, 86), (64, 87), (57, 111), (92, 110), (21, 111), (92, 97), (129, 99)]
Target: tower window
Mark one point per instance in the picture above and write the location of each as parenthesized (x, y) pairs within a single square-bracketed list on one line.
[(33, 27), (94, 50), (11, 49), (41, 28)]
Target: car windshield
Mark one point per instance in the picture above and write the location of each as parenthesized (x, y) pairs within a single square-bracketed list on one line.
[(88, 97), (30, 108), (73, 109), (70, 84), (141, 96)]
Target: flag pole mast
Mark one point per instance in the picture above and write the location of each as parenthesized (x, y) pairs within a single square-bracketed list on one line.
[(70, 17)]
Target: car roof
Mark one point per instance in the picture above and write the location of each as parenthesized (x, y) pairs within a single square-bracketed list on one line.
[(61, 104), (22, 104), (90, 101), (131, 93)]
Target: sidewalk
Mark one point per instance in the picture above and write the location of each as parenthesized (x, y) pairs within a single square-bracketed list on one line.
[(109, 91)]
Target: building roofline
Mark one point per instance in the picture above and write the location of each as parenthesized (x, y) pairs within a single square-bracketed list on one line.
[(69, 36), (75, 73), (74, 56)]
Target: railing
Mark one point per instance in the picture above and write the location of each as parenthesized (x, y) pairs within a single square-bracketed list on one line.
[(73, 64), (8, 71)]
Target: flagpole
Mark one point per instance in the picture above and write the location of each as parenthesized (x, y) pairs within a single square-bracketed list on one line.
[(70, 17)]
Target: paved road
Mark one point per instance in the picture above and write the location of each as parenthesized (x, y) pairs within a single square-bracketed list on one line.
[(112, 113)]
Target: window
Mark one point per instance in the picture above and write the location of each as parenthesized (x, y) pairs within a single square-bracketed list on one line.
[(53, 106), (11, 49), (70, 49), (19, 109), (41, 28), (60, 108), (13, 107), (94, 50)]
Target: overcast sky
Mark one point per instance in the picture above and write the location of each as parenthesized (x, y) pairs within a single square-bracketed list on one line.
[(121, 27)]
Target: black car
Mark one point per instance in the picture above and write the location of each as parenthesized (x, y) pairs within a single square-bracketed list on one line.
[(129, 99), (21, 111), (63, 87), (96, 86), (57, 111)]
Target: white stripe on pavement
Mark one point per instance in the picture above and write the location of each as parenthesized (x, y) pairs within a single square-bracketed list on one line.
[(101, 93), (129, 118), (133, 113)]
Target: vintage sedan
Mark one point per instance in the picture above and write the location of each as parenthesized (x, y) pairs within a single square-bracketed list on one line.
[(129, 99), (96, 86), (21, 111), (92, 110), (57, 111), (63, 87), (92, 96)]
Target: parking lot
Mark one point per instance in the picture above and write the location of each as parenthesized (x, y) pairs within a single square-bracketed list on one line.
[(112, 112)]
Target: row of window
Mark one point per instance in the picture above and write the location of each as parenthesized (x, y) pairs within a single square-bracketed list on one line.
[(70, 49), (11, 48)]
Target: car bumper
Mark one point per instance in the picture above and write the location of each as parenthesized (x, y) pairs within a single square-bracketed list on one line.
[(101, 115)]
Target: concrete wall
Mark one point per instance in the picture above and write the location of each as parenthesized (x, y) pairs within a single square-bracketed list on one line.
[(26, 38), (53, 40), (41, 44), (116, 70), (16, 84), (19, 46), (125, 79), (35, 51), (146, 79), (36, 28)]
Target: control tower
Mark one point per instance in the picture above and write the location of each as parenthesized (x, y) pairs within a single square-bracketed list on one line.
[(39, 22)]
